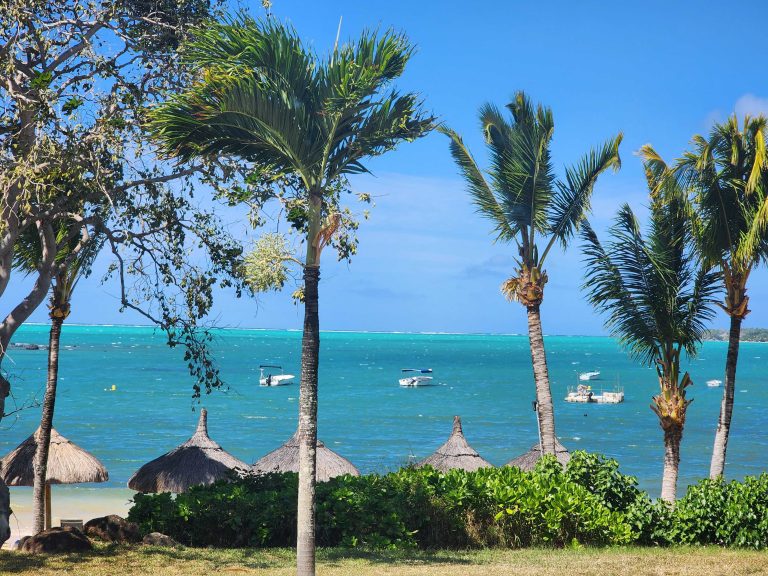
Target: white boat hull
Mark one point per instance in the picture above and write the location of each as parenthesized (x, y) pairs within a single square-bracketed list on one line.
[(278, 380), (714, 383), (587, 376), (413, 381)]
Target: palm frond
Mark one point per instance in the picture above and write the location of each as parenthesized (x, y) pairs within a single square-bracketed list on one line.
[(482, 194), (607, 288), (571, 203)]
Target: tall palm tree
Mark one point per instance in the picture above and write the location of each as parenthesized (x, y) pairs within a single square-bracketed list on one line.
[(73, 261), (524, 200), (264, 97), (656, 298), (728, 175)]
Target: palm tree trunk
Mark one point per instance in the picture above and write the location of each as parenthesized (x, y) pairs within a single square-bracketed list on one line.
[(310, 356), (672, 437), (39, 513), (717, 466), (541, 377)]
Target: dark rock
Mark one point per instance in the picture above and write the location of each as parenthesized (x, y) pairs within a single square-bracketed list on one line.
[(54, 540), (113, 528), (158, 539)]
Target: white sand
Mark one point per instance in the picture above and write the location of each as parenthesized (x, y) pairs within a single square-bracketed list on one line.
[(67, 502)]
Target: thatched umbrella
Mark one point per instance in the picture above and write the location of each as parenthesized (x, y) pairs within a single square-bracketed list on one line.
[(528, 460), (199, 460), (286, 459), (67, 464), (456, 453)]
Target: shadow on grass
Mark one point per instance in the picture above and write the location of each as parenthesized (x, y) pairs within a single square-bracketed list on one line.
[(393, 557)]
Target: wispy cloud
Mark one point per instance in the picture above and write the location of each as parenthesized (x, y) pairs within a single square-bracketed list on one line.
[(752, 105)]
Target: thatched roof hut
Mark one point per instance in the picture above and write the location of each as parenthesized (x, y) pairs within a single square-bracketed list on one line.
[(67, 463), (456, 453), (199, 460), (528, 460), (286, 459)]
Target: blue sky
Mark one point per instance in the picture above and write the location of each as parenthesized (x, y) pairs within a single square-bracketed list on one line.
[(658, 71)]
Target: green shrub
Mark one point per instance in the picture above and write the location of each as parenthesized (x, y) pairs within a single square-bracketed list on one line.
[(588, 503), (726, 513)]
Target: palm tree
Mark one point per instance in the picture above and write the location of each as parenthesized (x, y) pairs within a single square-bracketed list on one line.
[(728, 175), (73, 261), (656, 298), (523, 199), (270, 101)]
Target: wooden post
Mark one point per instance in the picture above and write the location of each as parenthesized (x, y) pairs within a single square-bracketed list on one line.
[(47, 505)]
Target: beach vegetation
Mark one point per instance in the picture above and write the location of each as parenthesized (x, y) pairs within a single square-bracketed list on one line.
[(303, 123), (657, 297), (727, 174), (530, 207), (589, 503)]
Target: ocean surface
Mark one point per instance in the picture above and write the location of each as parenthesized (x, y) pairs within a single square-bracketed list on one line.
[(363, 413)]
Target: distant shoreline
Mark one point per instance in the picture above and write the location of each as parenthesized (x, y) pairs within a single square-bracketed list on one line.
[(747, 335)]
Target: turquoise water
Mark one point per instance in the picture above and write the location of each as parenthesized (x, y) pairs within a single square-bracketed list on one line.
[(364, 414)]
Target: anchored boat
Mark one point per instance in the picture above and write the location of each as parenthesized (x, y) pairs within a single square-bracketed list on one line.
[(584, 394), (587, 376), (274, 379), (416, 380), (714, 383)]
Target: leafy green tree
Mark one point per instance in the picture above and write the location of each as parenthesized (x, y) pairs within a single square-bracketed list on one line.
[(528, 205), (304, 122), (728, 176), (77, 78), (656, 297)]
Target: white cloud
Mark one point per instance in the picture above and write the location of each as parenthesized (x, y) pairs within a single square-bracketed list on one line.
[(752, 105)]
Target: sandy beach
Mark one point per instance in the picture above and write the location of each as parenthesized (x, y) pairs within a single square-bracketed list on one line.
[(67, 502)]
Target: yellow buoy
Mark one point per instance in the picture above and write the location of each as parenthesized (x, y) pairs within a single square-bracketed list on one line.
[(114, 387)]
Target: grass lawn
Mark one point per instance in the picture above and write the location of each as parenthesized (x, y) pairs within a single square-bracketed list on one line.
[(110, 560)]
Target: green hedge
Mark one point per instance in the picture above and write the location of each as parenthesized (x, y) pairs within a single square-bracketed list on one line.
[(588, 503)]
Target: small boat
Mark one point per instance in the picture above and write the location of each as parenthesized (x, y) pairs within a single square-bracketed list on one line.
[(714, 383), (413, 381), (274, 379), (584, 394), (586, 376)]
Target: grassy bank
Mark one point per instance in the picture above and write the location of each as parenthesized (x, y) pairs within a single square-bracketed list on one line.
[(107, 561)]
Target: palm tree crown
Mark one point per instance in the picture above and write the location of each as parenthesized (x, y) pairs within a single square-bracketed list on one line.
[(520, 193), (266, 98), (656, 297)]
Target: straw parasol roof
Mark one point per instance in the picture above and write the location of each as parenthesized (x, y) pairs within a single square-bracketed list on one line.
[(286, 459), (199, 460), (456, 453), (67, 463), (528, 460)]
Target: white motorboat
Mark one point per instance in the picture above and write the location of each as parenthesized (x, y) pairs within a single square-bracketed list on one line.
[(273, 379), (586, 376), (416, 380), (714, 383)]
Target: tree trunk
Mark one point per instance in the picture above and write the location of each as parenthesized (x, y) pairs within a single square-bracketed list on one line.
[(546, 411), (310, 356), (717, 466), (44, 436), (672, 437)]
